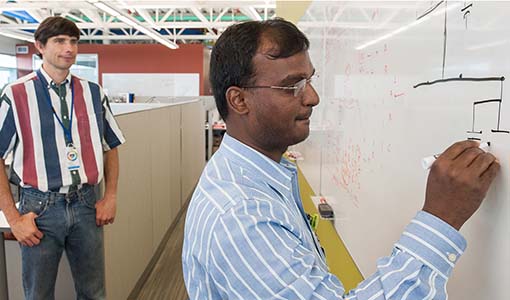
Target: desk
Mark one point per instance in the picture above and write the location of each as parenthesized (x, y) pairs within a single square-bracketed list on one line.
[(4, 226)]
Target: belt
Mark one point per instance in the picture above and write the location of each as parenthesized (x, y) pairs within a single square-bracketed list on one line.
[(73, 189)]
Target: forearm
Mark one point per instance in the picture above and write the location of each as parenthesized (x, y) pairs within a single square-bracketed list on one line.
[(111, 170), (420, 265), (6, 201)]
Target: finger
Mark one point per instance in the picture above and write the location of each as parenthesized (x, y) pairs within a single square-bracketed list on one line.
[(482, 162), (28, 243), (101, 222), (35, 241), (456, 149), (490, 173), (468, 157), (99, 218), (38, 234)]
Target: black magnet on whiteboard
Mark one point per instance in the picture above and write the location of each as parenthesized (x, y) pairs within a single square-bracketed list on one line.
[(326, 211)]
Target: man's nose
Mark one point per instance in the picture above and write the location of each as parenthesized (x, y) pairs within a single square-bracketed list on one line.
[(69, 46), (311, 97)]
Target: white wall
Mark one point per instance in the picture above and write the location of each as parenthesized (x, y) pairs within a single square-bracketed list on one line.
[(8, 45)]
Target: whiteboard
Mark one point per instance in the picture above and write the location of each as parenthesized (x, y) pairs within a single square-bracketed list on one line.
[(152, 84), (373, 127)]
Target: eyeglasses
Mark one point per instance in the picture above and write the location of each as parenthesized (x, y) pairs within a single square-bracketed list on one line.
[(297, 88)]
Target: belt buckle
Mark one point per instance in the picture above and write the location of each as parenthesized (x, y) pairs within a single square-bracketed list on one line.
[(73, 189)]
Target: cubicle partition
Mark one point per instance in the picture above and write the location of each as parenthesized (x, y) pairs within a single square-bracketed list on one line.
[(159, 166)]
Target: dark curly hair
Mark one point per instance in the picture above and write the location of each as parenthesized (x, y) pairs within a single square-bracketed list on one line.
[(231, 57)]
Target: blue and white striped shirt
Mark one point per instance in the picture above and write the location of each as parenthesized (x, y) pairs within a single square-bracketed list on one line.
[(247, 237)]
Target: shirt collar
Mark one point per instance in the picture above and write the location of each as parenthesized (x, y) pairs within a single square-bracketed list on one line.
[(50, 81), (278, 175)]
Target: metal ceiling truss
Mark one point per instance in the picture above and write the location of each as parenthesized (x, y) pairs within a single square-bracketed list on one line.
[(167, 22), (179, 21)]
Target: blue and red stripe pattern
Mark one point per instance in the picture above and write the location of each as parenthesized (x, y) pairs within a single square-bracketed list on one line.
[(30, 130), (246, 237)]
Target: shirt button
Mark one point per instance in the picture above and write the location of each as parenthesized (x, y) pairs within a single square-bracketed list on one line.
[(65, 117), (452, 257)]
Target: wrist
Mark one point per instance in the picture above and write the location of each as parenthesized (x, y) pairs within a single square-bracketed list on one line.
[(451, 220), (11, 214), (110, 196)]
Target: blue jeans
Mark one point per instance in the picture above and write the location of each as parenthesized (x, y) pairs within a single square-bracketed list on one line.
[(68, 222)]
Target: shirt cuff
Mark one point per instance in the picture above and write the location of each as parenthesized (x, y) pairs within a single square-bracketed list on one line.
[(109, 146), (434, 242)]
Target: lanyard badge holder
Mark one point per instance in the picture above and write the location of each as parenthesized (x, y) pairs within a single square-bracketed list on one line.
[(72, 153), (73, 163)]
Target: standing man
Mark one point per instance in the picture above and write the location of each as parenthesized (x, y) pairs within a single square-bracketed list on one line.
[(247, 236), (58, 127)]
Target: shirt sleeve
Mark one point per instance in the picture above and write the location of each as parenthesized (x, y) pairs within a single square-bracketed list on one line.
[(257, 253), (421, 263), (112, 136), (7, 126)]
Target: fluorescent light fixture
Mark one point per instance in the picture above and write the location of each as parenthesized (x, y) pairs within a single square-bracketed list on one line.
[(165, 42), (19, 36), (487, 45), (159, 39), (133, 23), (408, 26), (148, 32)]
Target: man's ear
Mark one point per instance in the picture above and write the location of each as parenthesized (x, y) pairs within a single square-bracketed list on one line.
[(236, 100), (39, 46)]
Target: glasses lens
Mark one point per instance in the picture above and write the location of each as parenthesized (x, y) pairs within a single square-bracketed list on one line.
[(300, 87)]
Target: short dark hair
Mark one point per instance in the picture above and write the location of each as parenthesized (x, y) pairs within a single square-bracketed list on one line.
[(53, 26), (231, 58)]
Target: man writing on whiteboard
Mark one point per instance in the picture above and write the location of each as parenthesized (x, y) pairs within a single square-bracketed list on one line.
[(247, 236)]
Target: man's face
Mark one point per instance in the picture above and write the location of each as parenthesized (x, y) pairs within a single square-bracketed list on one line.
[(278, 118), (59, 52)]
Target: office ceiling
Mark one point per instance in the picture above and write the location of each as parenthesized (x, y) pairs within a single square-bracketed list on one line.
[(120, 21), (175, 22)]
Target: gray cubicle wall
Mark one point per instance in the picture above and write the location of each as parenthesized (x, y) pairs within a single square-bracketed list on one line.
[(159, 166)]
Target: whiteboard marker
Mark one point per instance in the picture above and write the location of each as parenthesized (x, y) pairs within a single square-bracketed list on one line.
[(428, 161)]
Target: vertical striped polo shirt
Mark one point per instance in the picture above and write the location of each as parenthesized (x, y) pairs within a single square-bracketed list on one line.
[(31, 130), (247, 237)]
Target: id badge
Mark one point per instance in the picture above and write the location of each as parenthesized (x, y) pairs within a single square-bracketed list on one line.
[(73, 163)]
